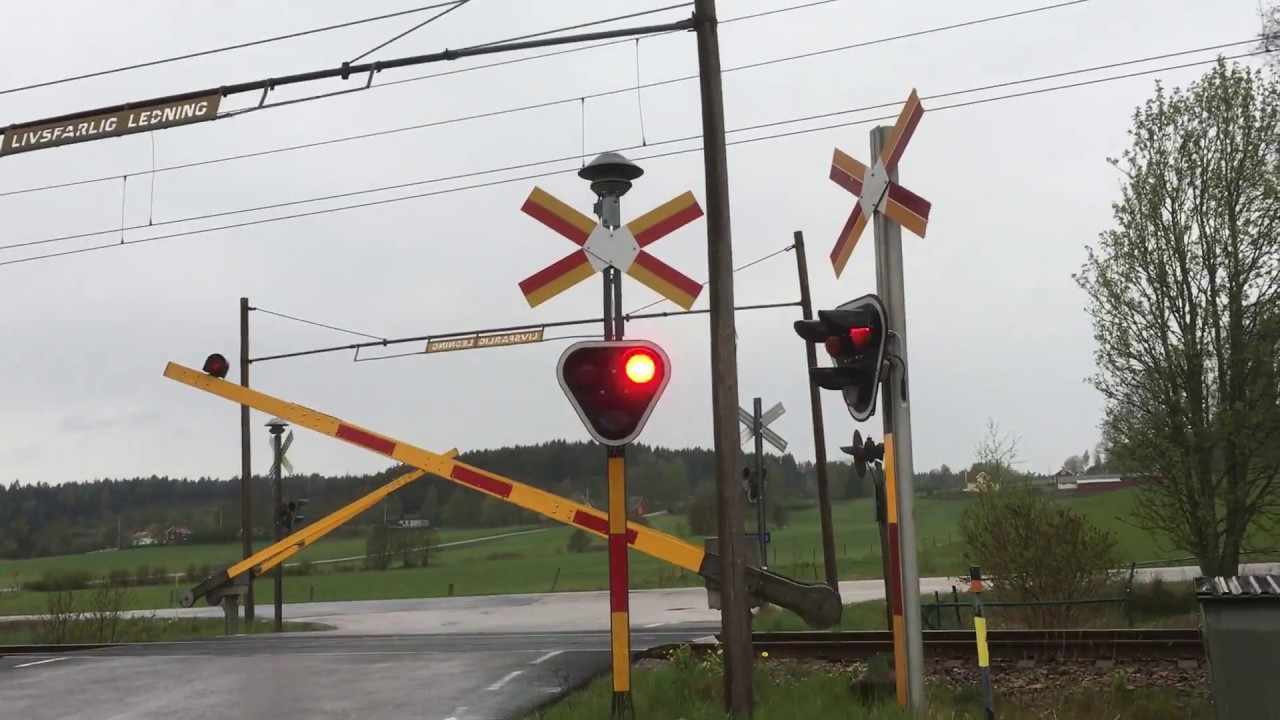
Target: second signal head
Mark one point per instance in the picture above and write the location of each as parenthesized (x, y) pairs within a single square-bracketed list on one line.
[(613, 385)]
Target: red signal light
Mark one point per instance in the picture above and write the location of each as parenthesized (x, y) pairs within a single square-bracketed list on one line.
[(640, 367), (860, 336), (217, 365)]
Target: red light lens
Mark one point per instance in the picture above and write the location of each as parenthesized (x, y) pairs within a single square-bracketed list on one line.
[(832, 344), (860, 336), (641, 368)]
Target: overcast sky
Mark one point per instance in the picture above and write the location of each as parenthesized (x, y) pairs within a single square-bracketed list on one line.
[(996, 325)]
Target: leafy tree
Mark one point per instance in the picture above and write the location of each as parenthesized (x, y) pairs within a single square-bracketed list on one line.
[(1185, 299), (1032, 548), (379, 547), (1269, 38)]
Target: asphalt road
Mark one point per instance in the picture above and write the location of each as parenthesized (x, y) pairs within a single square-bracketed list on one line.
[(472, 676)]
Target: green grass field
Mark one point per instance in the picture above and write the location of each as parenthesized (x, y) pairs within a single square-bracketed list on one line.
[(540, 562)]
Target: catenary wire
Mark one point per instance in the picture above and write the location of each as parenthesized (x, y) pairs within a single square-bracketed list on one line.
[(228, 48), (535, 106), (538, 163), (544, 174), (411, 30), (740, 268), (317, 324), (625, 316)]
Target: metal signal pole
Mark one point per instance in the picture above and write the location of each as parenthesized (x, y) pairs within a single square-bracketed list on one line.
[(277, 490), (610, 176), (246, 467), (897, 446), (735, 617), (757, 467)]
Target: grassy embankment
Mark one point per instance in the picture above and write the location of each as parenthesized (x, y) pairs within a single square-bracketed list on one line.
[(540, 562), (691, 689), (129, 630)]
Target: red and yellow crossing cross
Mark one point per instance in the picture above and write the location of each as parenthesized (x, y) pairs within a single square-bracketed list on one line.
[(874, 190), (601, 247)]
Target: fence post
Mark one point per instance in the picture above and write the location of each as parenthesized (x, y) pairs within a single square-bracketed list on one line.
[(980, 632)]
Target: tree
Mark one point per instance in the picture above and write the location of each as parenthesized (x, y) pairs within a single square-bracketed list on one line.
[(379, 547), (1269, 38), (1032, 548), (1185, 300)]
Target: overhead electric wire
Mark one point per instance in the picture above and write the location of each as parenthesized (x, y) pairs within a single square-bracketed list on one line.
[(562, 101), (411, 30), (383, 341), (740, 268), (569, 158), (228, 48), (317, 324)]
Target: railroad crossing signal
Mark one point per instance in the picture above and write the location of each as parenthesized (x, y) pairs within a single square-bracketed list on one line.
[(602, 247), (874, 190), (766, 434), (613, 385), (284, 454), (854, 335)]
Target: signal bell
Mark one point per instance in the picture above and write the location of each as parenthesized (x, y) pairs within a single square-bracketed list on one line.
[(613, 385), (854, 335)]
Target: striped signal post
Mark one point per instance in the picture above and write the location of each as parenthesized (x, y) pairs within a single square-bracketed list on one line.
[(890, 207), (611, 248), (980, 635)]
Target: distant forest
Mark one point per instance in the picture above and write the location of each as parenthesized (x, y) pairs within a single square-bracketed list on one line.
[(38, 520)]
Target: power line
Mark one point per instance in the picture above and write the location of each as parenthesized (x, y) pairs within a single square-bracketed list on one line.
[(228, 48), (382, 341), (738, 269), (552, 103), (544, 174), (317, 324), (528, 165), (413, 29)]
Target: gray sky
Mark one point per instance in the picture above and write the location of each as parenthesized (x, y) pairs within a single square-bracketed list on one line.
[(996, 326)]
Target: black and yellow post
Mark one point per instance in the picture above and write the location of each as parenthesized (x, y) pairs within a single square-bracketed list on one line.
[(619, 610), (980, 633)]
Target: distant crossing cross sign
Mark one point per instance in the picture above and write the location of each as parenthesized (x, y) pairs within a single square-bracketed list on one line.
[(603, 247), (873, 189), (769, 436)]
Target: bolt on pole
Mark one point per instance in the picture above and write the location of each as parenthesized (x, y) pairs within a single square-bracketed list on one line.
[(735, 617), (890, 287)]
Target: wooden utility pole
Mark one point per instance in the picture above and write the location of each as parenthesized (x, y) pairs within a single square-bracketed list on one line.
[(246, 467), (819, 428), (735, 618)]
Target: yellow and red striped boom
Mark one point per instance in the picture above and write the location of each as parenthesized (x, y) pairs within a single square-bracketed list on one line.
[(816, 603)]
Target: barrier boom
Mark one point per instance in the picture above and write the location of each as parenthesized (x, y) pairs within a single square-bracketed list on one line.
[(266, 559), (815, 603)]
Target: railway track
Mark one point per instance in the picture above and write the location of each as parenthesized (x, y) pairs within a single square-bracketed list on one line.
[(942, 645)]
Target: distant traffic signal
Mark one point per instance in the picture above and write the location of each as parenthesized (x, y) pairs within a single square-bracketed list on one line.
[(288, 514), (854, 335), (614, 385)]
